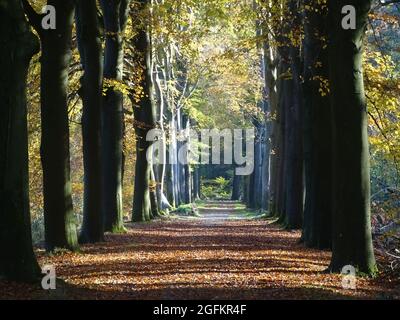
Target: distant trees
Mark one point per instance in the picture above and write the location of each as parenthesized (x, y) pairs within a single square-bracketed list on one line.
[(284, 182)]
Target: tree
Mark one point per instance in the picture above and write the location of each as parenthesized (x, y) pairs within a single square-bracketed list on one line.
[(286, 164), (115, 14), (18, 45), (293, 141), (60, 225), (317, 226), (89, 44), (352, 239), (144, 114)]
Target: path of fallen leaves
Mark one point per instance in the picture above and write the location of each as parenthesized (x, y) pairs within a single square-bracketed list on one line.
[(221, 255)]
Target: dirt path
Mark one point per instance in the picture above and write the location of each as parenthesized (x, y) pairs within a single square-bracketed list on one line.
[(221, 255)]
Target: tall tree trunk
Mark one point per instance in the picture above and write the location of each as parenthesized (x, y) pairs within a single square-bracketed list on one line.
[(160, 168), (145, 121), (352, 240), (270, 109), (294, 159), (60, 223), (89, 43), (186, 167), (276, 154), (173, 153), (260, 180), (258, 183), (279, 159), (170, 178), (115, 17), (293, 210), (169, 113), (317, 226), (18, 45)]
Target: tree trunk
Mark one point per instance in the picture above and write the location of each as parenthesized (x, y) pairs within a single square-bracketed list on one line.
[(236, 187), (279, 158), (89, 43), (258, 183), (294, 159), (196, 184), (352, 240), (60, 223), (186, 167), (317, 226), (270, 109), (18, 45), (161, 168), (250, 195), (115, 17), (145, 121)]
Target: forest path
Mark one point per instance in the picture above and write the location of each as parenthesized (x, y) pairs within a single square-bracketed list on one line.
[(226, 253), (214, 212)]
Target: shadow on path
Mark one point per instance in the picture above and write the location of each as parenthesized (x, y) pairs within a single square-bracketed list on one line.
[(223, 254)]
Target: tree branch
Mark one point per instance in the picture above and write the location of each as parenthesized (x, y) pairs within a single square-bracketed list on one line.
[(33, 17)]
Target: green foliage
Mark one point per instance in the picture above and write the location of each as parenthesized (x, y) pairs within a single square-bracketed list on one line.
[(218, 188), (187, 210)]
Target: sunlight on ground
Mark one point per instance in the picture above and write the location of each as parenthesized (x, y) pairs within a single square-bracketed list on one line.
[(216, 256), (223, 254)]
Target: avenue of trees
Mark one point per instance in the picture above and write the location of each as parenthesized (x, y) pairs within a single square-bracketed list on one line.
[(116, 69)]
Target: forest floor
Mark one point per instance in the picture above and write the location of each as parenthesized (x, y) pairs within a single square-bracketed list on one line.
[(225, 253)]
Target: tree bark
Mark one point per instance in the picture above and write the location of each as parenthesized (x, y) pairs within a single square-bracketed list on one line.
[(317, 225), (89, 43), (270, 109), (293, 189), (18, 45), (161, 168), (145, 121), (115, 17), (352, 239), (294, 159), (280, 128), (196, 183), (60, 223), (236, 187)]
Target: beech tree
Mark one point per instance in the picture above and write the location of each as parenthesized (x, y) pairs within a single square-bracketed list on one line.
[(115, 14), (295, 76), (90, 48), (317, 226), (293, 165), (60, 224), (352, 237), (18, 45), (144, 114)]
